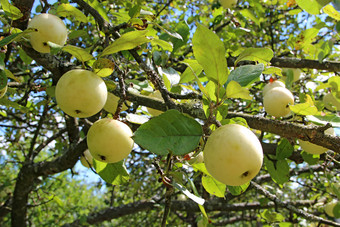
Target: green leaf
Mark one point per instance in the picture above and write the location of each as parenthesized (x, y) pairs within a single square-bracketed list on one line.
[(312, 6), (191, 196), (336, 210), (9, 74), (324, 119), (11, 10), (310, 158), (171, 132), (250, 15), (135, 11), (261, 55), (307, 108), (99, 8), (8, 103), (112, 173), (246, 74), (209, 51), (238, 190), (330, 11), (189, 74), (127, 41), (234, 90), (167, 46), (284, 150), (103, 67), (278, 170), (79, 53), (213, 186), (170, 33), (67, 10), (15, 37), (271, 216)]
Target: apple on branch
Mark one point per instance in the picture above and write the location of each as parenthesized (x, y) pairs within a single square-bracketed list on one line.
[(49, 28), (233, 154), (81, 93), (109, 140), (277, 100), (272, 84)]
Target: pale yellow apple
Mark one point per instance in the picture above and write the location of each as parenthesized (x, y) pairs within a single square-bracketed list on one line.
[(81, 93), (156, 95), (329, 207), (50, 28), (3, 92), (277, 100), (271, 85), (233, 155), (331, 102), (227, 4), (313, 148), (295, 72), (112, 103), (86, 159), (109, 140)]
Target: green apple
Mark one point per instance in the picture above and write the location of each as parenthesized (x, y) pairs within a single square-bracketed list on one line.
[(109, 140), (329, 207), (233, 154), (228, 3), (331, 102), (313, 148), (271, 85), (3, 92), (277, 100), (156, 95), (112, 103), (295, 72), (81, 93), (86, 159), (50, 28)]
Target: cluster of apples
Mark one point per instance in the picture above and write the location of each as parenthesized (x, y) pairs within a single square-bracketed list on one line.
[(82, 93)]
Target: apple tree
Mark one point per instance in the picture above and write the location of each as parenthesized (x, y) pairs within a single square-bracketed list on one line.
[(181, 113)]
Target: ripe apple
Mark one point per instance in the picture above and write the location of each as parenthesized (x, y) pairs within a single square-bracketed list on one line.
[(271, 85), (81, 93), (3, 92), (313, 148), (49, 28), (295, 72), (228, 3), (109, 140), (233, 155), (329, 207), (86, 159), (330, 102), (277, 100), (112, 103), (156, 95)]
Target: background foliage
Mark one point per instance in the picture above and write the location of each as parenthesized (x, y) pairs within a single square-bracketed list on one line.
[(207, 62)]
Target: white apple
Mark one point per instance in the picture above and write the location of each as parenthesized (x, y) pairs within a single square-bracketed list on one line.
[(277, 100), (271, 85), (50, 28), (329, 207), (228, 3), (81, 93), (156, 95), (295, 72), (112, 103), (330, 102), (233, 154), (86, 159), (3, 92), (313, 148), (109, 140)]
